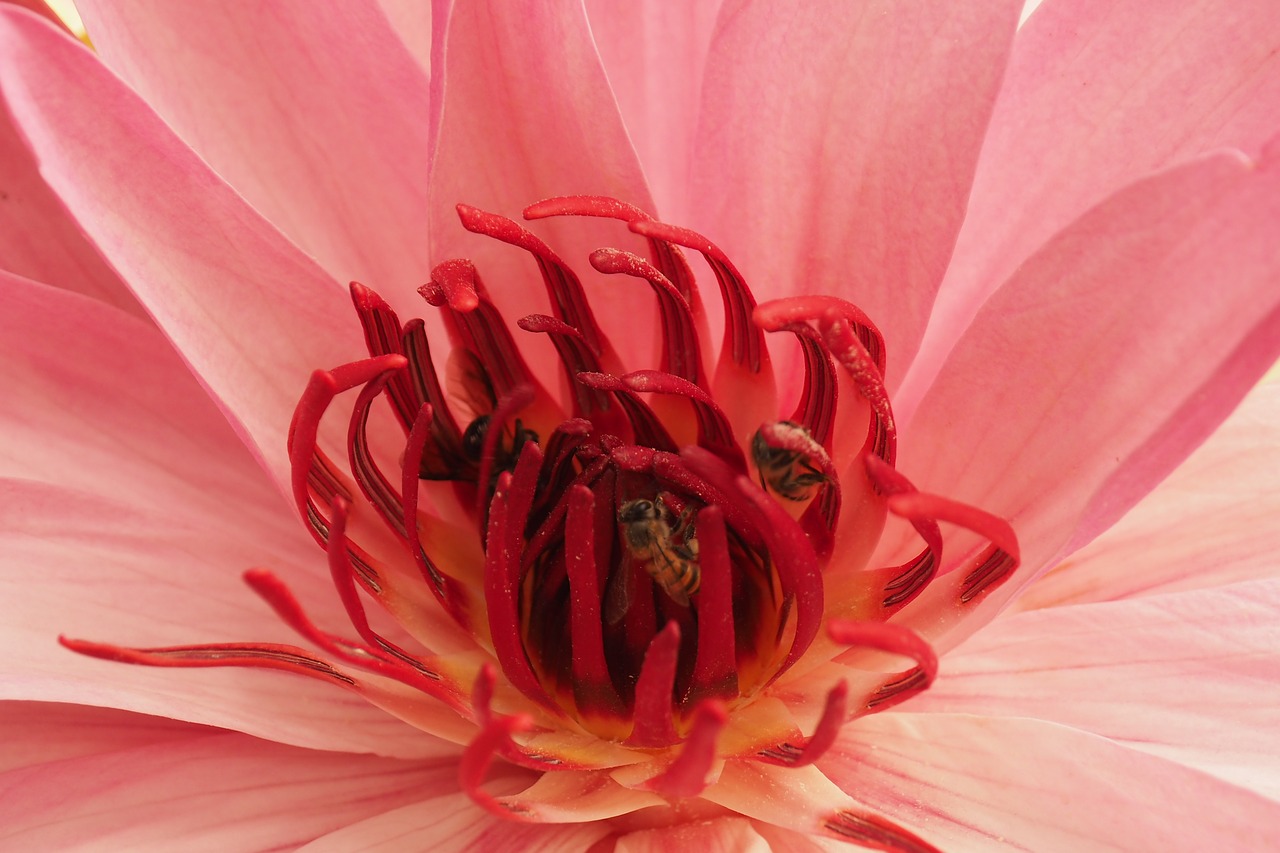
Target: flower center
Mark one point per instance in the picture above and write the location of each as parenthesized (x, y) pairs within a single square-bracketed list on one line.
[(639, 553)]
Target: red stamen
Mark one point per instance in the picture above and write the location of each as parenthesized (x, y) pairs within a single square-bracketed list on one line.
[(654, 725), (834, 713), (876, 833), (998, 531), (668, 258), (849, 351), (477, 328), (373, 483), (442, 458), (505, 411), (419, 435), (681, 353), (383, 336), (592, 688), (508, 514), (996, 563), (816, 410), (495, 737), (563, 287), (304, 454), (715, 671), (560, 450), (896, 639), (742, 338), (687, 775), (576, 357), (257, 655), (792, 555), (404, 669), (714, 431), (916, 573), (782, 314), (645, 423), (344, 576)]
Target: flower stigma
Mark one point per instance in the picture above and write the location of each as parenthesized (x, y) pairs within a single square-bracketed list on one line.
[(643, 574)]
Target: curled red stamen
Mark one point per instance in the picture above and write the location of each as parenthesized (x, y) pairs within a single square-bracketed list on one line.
[(714, 431), (383, 336), (565, 290), (668, 258), (834, 712), (442, 458), (680, 348), (419, 435), (781, 314), (494, 738), (575, 357), (273, 591), (896, 639), (687, 775), (914, 575), (477, 327), (742, 338), (645, 423), (993, 566), (375, 486)]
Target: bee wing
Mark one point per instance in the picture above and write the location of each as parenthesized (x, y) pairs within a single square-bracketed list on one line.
[(617, 593), (470, 387)]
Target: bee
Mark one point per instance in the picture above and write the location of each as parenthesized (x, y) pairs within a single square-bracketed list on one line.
[(785, 468), (463, 460), (507, 449), (669, 553)]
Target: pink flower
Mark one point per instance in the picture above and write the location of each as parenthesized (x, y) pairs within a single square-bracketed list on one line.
[(1063, 237)]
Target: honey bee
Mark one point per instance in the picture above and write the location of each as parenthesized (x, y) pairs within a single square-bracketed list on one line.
[(474, 390), (784, 467), (669, 553)]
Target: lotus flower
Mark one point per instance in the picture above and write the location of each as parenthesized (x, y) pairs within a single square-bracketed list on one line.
[(747, 495)]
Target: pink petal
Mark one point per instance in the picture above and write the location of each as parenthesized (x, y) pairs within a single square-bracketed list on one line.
[(528, 114), (1099, 93), (655, 53), (455, 823), (804, 801), (38, 239), (252, 315), (836, 145), (412, 21), (722, 835), (44, 732), (322, 126), (1212, 522), (40, 8), (1111, 354), (220, 792), (970, 783), (131, 511), (1193, 677)]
